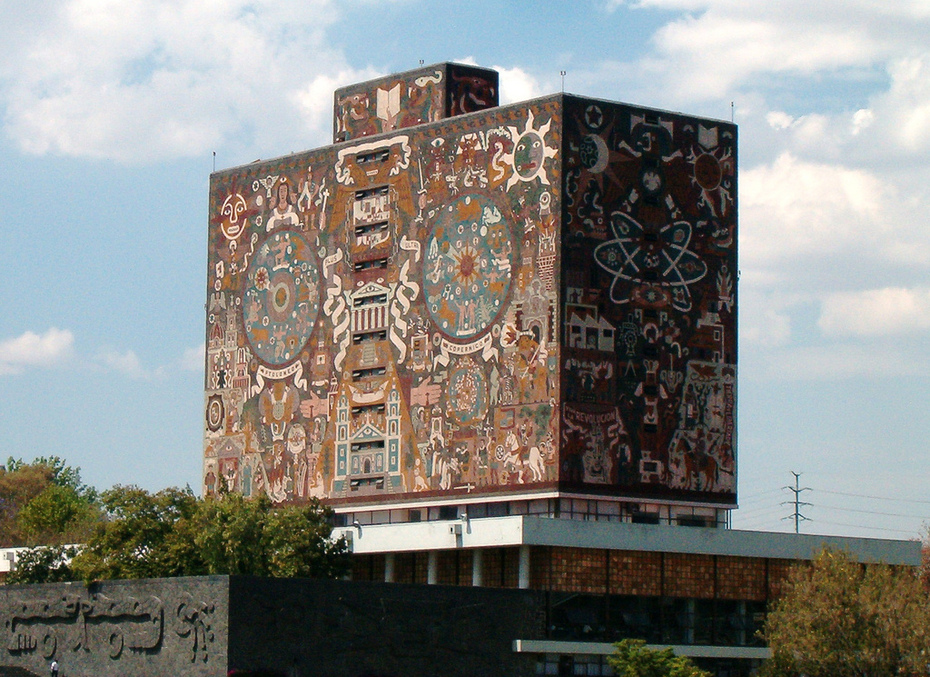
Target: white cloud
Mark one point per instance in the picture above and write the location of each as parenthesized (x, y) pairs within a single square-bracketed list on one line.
[(900, 117), (876, 312), (794, 208), (517, 85), (126, 363), (35, 350), (315, 100), (764, 326), (716, 48), (194, 358), (727, 46), (147, 80)]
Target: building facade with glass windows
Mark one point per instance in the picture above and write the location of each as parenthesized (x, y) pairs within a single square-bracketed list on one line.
[(501, 341)]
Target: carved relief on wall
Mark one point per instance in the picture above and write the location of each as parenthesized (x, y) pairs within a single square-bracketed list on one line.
[(95, 624)]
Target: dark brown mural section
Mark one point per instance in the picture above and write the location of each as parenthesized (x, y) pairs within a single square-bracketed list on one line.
[(649, 302)]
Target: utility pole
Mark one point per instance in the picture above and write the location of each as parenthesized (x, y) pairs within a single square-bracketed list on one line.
[(797, 502)]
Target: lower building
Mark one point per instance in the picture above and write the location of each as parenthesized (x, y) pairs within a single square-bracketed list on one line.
[(702, 591)]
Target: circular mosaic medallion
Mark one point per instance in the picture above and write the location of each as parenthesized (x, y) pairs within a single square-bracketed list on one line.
[(467, 272), (467, 393), (281, 299), (216, 413)]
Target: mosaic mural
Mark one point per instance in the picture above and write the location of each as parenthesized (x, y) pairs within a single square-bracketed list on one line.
[(649, 256), (402, 100), (382, 315), (531, 297)]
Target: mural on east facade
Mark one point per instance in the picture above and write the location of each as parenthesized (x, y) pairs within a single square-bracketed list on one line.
[(649, 306), (382, 314)]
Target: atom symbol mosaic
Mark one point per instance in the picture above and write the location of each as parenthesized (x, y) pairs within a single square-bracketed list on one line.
[(281, 298), (659, 264), (467, 272)]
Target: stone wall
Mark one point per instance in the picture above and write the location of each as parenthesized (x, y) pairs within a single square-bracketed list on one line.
[(360, 629), (215, 626), (118, 628)]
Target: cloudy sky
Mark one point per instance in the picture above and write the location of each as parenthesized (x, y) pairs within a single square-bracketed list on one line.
[(111, 112)]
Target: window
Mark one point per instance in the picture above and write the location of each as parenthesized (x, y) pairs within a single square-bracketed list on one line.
[(371, 229), (645, 518), (360, 374), (368, 445), (448, 512), (368, 409), (371, 264), (368, 336), (373, 300), (373, 156)]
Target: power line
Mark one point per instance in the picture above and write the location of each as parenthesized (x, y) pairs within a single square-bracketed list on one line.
[(877, 498), (871, 512), (859, 526)]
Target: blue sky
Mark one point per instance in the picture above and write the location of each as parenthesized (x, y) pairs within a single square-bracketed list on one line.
[(110, 112)]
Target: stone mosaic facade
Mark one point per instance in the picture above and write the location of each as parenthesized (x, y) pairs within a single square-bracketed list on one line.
[(517, 299)]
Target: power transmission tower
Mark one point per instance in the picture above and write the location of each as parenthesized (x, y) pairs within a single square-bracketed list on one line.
[(797, 502)]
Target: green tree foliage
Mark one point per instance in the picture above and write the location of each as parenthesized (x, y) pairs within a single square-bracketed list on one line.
[(44, 564), (173, 533), (839, 618), (633, 659), (236, 535), (139, 536), (64, 510), (61, 474), (59, 515)]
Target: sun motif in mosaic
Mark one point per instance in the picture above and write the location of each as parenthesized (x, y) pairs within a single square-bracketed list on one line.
[(281, 298), (467, 272), (713, 167), (529, 153), (646, 262)]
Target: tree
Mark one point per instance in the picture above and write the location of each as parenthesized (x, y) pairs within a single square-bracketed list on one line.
[(142, 536), (173, 533), (57, 516), (17, 488), (840, 618), (238, 535), (633, 659), (51, 564), (44, 502), (61, 474)]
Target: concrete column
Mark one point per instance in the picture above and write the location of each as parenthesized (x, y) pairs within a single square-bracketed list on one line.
[(477, 567), (432, 568), (389, 567), (524, 580)]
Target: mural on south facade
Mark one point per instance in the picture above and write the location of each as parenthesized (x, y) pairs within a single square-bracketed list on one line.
[(382, 314), (649, 306)]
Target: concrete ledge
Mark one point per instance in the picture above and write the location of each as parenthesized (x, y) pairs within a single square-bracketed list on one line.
[(546, 531), (543, 646)]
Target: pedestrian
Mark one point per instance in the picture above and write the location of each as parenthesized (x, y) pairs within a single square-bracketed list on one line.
[(53, 668)]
